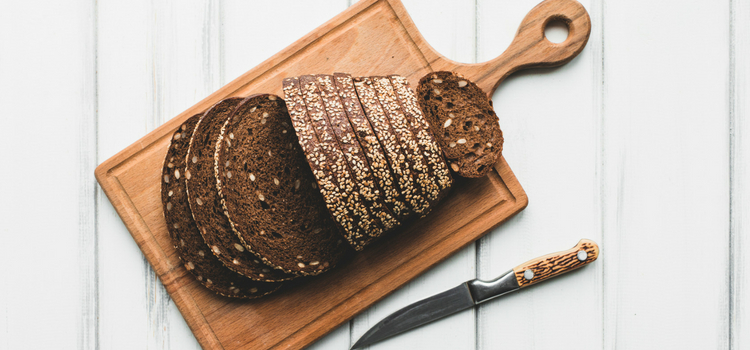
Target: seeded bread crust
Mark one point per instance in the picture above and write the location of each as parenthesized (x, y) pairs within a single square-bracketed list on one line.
[(205, 202), (267, 193), (394, 153), (333, 157), (371, 147), (186, 238), (424, 184), (462, 118), (357, 162), (314, 154), (436, 166)]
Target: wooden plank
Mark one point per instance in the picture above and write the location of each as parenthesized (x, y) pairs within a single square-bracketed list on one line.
[(448, 26), (539, 109), (740, 163), (372, 37), (47, 199), (242, 52), (666, 174), (155, 59)]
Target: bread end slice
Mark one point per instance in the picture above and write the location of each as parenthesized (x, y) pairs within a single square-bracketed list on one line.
[(464, 122)]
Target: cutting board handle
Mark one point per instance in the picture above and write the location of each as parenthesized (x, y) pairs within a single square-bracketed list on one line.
[(530, 48)]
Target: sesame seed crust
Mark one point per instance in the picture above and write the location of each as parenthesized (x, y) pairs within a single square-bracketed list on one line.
[(372, 148), (365, 224), (316, 154), (438, 169), (424, 184), (357, 161), (396, 156)]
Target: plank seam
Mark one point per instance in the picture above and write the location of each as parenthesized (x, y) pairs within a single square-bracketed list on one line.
[(601, 165), (222, 42), (478, 245), (96, 157), (88, 334), (157, 298), (732, 120), (210, 12)]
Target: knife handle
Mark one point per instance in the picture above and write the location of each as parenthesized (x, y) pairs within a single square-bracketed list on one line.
[(555, 264)]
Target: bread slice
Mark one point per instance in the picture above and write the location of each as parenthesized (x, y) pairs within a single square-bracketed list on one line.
[(313, 149), (267, 190), (205, 202), (358, 165), (424, 185), (436, 166), (386, 136), (191, 249), (462, 118), (330, 167), (371, 148)]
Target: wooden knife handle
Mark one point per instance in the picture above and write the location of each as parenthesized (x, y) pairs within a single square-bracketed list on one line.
[(555, 264), (530, 48)]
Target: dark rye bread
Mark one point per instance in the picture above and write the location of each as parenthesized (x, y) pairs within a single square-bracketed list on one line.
[(205, 202), (388, 100), (395, 154), (371, 147), (462, 118), (436, 166), (313, 149), (266, 188), (206, 268), (333, 164), (357, 162)]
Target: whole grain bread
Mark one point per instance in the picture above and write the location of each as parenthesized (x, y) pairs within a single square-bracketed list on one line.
[(191, 248), (426, 186), (356, 162), (311, 146), (371, 147), (428, 146), (326, 160), (269, 193), (205, 202), (462, 118), (395, 152)]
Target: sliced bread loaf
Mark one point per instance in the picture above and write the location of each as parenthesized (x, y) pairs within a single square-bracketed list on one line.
[(205, 202), (314, 154), (436, 166), (426, 185), (268, 190), (422, 184), (462, 118), (395, 154), (371, 147), (191, 248), (356, 161), (331, 169)]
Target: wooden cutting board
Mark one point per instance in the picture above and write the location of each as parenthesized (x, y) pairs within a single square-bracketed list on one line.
[(373, 37)]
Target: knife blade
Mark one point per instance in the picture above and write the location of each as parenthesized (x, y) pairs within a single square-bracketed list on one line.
[(470, 293)]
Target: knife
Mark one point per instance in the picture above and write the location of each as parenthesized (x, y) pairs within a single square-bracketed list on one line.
[(476, 291)]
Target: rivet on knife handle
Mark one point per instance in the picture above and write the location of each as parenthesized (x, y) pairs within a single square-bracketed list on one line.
[(555, 264)]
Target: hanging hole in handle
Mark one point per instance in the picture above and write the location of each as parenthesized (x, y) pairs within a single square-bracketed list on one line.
[(557, 30)]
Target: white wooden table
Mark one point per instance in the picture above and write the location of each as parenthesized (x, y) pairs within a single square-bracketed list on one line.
[(642, 143)]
